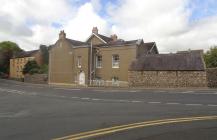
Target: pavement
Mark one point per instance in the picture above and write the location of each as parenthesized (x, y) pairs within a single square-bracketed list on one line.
[(43, 112)]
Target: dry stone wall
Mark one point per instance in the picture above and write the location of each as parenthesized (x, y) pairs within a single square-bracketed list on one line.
[(36, 78), (167, 79)]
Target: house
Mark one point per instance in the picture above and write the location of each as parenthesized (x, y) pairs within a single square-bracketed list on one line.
[(19, 60), (181, 69), (99, 61)]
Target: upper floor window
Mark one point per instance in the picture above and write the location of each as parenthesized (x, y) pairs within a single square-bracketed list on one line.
[(115, 61), (79, 61), (99, 61)]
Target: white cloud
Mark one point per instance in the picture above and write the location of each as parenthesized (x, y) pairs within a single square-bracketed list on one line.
[(20, 18), (166, 22), (29, 23), (80, 27)]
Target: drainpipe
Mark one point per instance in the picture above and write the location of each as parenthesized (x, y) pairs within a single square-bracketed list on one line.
[(49, 68), (91, 51)]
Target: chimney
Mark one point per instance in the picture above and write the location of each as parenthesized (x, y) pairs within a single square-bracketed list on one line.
[(114, 37), (62, 35), (95, 30)]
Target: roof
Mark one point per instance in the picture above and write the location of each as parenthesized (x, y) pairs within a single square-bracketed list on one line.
[(76, 42), (25, 54), (105, 38), (186, 61)]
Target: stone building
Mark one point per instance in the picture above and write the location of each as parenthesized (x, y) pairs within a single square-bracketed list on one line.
[(110, 61), (18, 62), (99, 61), (183, 69)]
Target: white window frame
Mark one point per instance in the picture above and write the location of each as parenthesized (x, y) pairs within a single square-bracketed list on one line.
[(115, 63), (79, 61), (98, 63)]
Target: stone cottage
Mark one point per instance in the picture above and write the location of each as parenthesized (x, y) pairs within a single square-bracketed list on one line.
[(182, 69)]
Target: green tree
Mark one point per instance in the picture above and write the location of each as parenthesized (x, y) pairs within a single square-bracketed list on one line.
[(210, 57), (44, 69), (7, 50), (31, 67)]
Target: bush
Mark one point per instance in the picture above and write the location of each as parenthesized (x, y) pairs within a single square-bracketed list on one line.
[(31, 67)]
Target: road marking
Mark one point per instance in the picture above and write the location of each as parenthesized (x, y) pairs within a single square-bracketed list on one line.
[(75, 97), (136, 101), (133, 91), (212, 105), (95, 99), (85, 98), (68, 88), (121, 128), (187, 92), (194, 104), (154, 102), (173, 103)]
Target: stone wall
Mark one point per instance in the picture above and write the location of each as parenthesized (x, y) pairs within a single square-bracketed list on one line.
[(212, 77), (167, 79), (36, 78)]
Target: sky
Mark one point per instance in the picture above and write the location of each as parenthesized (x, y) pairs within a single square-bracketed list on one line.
[(174, 25)]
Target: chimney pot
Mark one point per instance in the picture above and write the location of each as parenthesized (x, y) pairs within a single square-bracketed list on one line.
[(95, 30), (62, 35), (114, 37)]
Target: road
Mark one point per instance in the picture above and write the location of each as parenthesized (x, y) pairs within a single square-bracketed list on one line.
[(42, 112)]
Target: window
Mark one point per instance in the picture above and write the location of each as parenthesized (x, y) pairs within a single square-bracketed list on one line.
[(99, 61), (115, 61), (79, 61)]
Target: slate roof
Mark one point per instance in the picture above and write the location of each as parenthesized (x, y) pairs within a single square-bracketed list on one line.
[(105, 38), (25, 54), (76, 42), (181, 61)]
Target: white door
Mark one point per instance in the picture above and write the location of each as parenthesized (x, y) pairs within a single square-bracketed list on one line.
[(82, 78)]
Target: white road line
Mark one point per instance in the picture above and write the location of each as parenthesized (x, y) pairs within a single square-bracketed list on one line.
[(122, 100), (212, 105), (133, 91), (187, 92), (136, 101), (68, 88), (85, 98), (95, 99), (193, 104), (172, 103), (154, 102), (74, 97)]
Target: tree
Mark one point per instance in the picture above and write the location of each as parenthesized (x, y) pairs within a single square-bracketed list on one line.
[(7, 50), (210, 57), (31, 67)]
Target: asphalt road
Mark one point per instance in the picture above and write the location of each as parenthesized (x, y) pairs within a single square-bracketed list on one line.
[(42, 112)]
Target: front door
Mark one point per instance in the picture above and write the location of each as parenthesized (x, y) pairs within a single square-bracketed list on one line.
[(82, 78)]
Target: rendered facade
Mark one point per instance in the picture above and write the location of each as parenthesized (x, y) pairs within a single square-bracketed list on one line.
[(99, 61)]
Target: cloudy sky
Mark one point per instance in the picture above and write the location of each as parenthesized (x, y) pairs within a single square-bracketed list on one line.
[(173, 24)]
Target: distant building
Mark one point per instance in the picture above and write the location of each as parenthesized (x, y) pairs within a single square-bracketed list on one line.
[(101, 60), (18, 62)]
